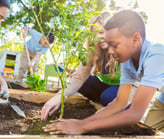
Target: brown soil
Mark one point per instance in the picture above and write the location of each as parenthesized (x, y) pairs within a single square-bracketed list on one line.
[(11, 123)]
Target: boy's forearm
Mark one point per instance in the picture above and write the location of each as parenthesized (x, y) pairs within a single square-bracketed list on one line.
[(117, 105), (131, 116), (122, 118), (112, 108), (119, 119)]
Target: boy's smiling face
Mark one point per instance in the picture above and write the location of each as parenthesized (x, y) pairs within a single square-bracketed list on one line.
[(121, 47), (43, 42)]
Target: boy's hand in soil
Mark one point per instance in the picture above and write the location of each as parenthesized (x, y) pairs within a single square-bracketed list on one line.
[(51, 106), (65, 126)]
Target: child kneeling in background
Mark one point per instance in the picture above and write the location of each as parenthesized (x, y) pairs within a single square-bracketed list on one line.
[(37, 46)]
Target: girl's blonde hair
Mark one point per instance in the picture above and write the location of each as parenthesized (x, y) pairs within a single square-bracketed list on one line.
[(101, 55)]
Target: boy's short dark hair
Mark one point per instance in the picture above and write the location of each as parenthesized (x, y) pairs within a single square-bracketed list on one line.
[(50, 37), (128, 22), (4, 3)]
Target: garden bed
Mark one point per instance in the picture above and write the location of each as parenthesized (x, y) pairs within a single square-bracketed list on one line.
[(75, 107)]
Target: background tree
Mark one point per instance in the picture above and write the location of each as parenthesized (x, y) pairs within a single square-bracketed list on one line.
[(68, 20), (70, 26), (47, 11)]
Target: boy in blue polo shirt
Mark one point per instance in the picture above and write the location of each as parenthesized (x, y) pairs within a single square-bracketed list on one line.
[(37, 46), (140, 61)]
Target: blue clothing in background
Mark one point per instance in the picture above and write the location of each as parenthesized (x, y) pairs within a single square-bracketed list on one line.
[(59, 69), (33, 44), (151, 68), (109, 94)]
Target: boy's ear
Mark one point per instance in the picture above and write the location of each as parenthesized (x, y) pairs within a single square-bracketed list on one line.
[(137, 39)]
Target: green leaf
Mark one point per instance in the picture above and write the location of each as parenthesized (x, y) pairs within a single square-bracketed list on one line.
[(35, 83)]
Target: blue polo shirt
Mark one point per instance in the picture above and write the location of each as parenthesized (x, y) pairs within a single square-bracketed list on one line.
[(33, 44), (151, 68)]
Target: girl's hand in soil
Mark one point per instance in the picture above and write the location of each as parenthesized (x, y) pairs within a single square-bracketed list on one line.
[(63, 126), (50, 106)]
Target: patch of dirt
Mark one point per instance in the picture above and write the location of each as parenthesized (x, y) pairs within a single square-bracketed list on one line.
[(11, 123), (12, 85)]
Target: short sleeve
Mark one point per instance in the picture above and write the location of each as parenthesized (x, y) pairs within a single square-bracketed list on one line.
[(154, 71), (127, 76)]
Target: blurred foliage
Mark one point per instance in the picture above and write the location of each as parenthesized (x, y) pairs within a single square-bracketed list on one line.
[(67, 19), (21, 13), (71, 28), (50, 15), (10, 63), (11, 45)]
